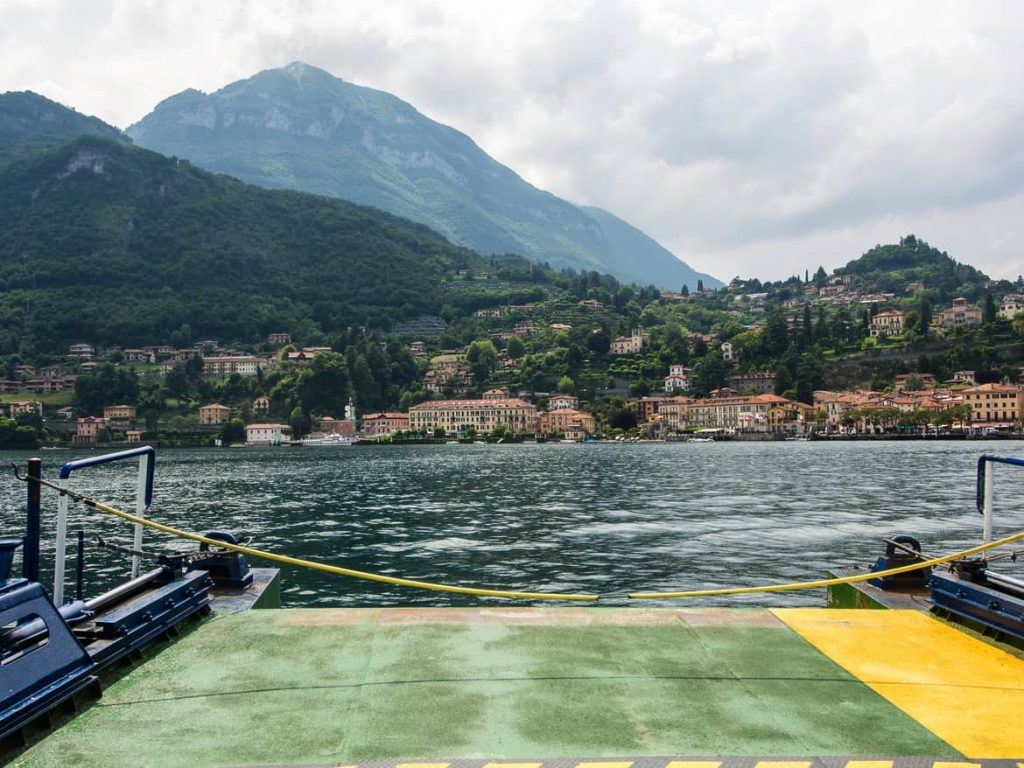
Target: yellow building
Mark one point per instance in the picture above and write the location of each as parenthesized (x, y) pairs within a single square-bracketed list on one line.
[(119, 412), (214, 414), (995, 404), (458, 416), (566, 421), (888, 323)]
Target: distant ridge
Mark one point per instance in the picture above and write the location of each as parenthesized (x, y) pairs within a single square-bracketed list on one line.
[(300, 127), (30, 122)]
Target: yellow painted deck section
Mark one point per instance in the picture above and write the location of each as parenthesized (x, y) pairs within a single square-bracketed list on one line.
[(968, 693)]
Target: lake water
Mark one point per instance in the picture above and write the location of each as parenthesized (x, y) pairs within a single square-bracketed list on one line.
[(599, 518)]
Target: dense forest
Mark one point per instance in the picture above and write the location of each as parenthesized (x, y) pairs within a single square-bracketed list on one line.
[(117, 245)]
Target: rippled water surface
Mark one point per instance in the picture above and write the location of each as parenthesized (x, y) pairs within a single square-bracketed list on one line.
[(582, 518)]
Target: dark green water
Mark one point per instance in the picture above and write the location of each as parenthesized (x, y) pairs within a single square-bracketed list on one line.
[(581, 518)]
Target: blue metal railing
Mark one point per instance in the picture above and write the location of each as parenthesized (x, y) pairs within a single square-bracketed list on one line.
[(983, 495), (983, 461), (143, 500)]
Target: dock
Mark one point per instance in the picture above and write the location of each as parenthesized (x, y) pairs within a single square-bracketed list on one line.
[(533, 687)]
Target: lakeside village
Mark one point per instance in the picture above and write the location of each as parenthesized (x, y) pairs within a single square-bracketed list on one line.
[(748, 408)]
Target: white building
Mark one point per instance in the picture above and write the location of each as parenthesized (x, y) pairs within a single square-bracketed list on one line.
[(84, 351), (678, 379), (267, 434), (214, 367), (562, 402), (1011, 306)]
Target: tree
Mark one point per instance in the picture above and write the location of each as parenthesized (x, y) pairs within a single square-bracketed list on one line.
[(515, 348), (686, 290), (566, 385), (700, 286), (623, 418), (807, 332), (710, 373), (924, 316), (775, 337), (176, 382), (232, 432), (482, 357), (989, 313)]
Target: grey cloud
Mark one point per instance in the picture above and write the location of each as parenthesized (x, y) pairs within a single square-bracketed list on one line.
[(742, 135)]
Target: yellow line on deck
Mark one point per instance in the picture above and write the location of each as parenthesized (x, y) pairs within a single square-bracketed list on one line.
[(968, 693)]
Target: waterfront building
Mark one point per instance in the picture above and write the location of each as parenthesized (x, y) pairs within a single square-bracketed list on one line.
[(673, 412), (995, 405), (458, 416), (267, 434), (114, 413), (628, 345), (566, 421), (133, 436), (647, 407), (752, 413), (89, 429), (214, 414), (888, 323), (328, 425), (381, 424), (960, 314)]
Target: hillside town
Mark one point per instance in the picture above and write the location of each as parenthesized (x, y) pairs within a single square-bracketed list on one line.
[(853, 354)]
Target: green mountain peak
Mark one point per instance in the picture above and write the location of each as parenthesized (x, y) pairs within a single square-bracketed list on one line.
[(299, 127)]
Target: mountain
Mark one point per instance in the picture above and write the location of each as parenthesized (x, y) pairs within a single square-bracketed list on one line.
[(107, 242), (891, 267), (301, 128), (642, 254), (30, 122)]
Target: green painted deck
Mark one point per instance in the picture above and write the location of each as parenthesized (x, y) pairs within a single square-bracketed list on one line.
[(315, 686)]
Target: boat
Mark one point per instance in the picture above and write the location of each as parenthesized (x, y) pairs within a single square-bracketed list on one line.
[(328, 440), (194, 662), (701, 440), (798, 439)]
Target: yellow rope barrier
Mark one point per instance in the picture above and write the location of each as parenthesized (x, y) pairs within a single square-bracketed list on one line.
[(515, 595), (798, 585), (324, 567)]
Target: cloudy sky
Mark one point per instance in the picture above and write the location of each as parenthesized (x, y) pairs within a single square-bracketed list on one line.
[(756, 138)]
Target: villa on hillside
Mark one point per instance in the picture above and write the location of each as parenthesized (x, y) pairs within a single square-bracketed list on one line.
[(888, 323)]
